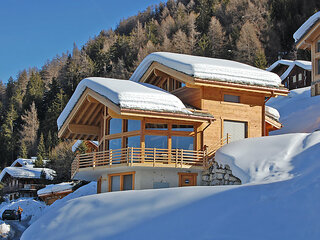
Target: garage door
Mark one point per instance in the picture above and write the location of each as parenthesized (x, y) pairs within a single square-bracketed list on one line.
[(236, 130)]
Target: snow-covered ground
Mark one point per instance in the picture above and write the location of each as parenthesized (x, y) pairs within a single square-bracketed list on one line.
[(299, 112), (278, 201)]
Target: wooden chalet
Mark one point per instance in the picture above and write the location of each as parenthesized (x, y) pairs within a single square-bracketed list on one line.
[(293, 74), (308, 37), (162, 127)]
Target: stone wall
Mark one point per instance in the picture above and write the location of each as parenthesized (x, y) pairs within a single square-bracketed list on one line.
[(219, 175)]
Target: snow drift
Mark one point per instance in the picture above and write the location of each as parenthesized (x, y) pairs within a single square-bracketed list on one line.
[(299, 112), (279, 201)]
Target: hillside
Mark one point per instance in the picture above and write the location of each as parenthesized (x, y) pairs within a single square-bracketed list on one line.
[(278, 201)]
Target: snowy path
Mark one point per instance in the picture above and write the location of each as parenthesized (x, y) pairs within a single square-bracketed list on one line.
[(17, 228)]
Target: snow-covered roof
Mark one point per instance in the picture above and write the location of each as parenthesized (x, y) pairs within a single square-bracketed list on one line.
[(209, 68), (306, 26), (27, 172), (307, 65), (127, 95), (272, 112), (53, 188), (23, 162)]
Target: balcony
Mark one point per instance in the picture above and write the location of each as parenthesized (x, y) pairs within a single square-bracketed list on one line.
[(142, 157)]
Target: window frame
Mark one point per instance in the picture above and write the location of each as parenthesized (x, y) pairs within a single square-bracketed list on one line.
[(121, 180), (233, 96)]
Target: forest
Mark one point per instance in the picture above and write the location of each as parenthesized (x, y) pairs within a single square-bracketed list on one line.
[(256, 32)]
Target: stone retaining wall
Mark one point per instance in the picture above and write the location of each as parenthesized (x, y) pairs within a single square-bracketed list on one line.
[(219, 175)]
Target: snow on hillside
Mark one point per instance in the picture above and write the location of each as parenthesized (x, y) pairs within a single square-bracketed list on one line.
[(279, 201), (299, 112)]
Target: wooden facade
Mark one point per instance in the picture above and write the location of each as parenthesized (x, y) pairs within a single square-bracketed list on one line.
[(311, 41)]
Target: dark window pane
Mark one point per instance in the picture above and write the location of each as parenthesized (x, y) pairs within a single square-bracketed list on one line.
[(134, 125), (156, 141), (115, 183), (133, 141), (318, 46), (182, 142), (115, 143), (188, 128), (156, 126), (318, 66), (127, 182), (231, 98), (115, 125)]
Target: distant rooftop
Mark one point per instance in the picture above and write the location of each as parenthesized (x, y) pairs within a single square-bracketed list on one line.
[(306, 26)]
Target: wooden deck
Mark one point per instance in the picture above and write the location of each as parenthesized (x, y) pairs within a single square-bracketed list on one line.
[(148, 157)]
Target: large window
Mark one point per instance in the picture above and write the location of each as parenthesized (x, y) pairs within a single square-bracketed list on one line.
[(121, 181), (133, 141), (156, 141), (115, 125), (133, 125), (318, 66), (187, 128), (156, 126), (182, 142), (294, 79), (318, 47), (115, 143)]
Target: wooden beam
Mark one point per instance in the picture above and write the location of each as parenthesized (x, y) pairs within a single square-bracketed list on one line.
[(83, 111), (84, 129), (91, 99), (89, 113)]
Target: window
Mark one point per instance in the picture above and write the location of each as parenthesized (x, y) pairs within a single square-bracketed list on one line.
[(156, 141), (286, 84), (121, 181), (133, 141), (115, 143), (115, 125), (156, 126), (182, 142), (134, 125), (231, 98), (188, 128), (294, 79), (318, 48), (300, 77), (318, 66)]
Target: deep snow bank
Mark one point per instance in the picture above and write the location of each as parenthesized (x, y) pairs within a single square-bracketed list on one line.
[(286, 209), (299, 112)]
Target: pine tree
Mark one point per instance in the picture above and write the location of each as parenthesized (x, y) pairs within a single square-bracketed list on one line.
[(41, 152), (23, 153), (260, 60), (35, 90), (30, 129)]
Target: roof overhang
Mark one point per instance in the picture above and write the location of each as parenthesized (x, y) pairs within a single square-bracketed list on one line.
[(306, 40), (83, 121), (274, 123)]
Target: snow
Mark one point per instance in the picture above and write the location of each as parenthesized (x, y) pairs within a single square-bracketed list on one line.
[(277, 201), (306, 26), (27, 172), (23, 162), (209, 68), (65, 186), (299, 111), (272, 112), (126, 94), (31, 208), (307, 65), (4, 230)]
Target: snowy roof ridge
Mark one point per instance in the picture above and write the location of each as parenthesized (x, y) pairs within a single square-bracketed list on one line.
[(272, 112), (304, 28), (127, 95), (27, 172), (209, 69), (307, 65), (53, 188)]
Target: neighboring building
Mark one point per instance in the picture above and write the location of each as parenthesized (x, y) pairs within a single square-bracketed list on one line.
[(293, 74), (22, 179), (161, 128), (53, 192), (308, 37)]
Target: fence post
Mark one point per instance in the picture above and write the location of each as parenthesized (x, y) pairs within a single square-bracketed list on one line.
[(154, 157), (181, 157), (131, 156), (94, 159), (110, 156), (176, 157)]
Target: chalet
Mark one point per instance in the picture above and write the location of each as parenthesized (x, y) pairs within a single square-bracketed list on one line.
[(53, 192), (308, 37), (22, 179), (293, 74), (162, 127)]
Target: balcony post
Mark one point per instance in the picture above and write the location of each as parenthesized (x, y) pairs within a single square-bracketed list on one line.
[(94, 159), (131, 156), (110, 156), (154, 157), (176, 162), (181, 157), (127, 156)]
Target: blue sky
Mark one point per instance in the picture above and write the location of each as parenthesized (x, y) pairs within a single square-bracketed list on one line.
[(33, 31)]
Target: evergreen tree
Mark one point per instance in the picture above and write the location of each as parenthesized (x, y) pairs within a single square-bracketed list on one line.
[(260, 60), (41, 152), (35, 90), (23, 153)]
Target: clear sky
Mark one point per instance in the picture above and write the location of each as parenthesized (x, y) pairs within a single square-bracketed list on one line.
[(33, 31)]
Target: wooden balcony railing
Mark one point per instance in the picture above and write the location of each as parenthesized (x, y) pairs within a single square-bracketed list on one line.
[(131, 156)]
